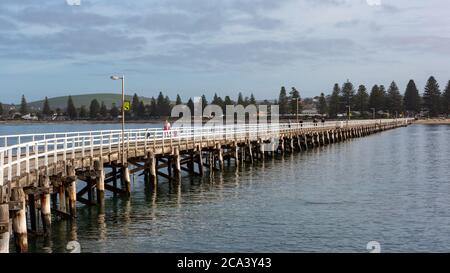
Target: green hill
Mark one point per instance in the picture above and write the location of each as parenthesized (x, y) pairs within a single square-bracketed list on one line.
[(80, 100)]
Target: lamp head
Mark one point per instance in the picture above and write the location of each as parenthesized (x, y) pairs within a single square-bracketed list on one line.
[(115, 78)]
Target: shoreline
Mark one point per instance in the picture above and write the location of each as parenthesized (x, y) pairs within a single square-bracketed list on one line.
[(31, 122), (433, 121)]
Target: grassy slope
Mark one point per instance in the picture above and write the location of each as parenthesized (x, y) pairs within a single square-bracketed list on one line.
[(79, 100)]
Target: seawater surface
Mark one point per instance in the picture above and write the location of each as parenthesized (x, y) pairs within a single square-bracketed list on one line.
[(392, 187)]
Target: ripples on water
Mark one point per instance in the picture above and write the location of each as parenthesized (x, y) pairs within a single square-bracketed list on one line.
[(392, 187)]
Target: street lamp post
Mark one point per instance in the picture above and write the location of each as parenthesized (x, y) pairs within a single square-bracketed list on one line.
[(121, 149), (348, 114), (373, 113), (297, 109)]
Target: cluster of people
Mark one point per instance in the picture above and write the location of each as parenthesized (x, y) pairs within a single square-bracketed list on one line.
[(315, 121)]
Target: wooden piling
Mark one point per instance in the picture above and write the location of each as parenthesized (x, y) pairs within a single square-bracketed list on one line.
[(126, 178), (236, 154), (114, 174), (32, 212), (151, 164), (250, 152), (4, 224), (72, 191), (262, 150), (177, 164), (19, 220), (200, 160), (219, 155), (99, 181), (62, 197)]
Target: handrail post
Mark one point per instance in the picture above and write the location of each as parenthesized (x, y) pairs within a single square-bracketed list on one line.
[(18, 155), (9, 165), (65, 148), (27, 154), (36, 156), (55, 150), (2, 154)]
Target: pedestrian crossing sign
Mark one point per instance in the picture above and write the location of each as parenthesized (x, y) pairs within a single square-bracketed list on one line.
[(126, 105)]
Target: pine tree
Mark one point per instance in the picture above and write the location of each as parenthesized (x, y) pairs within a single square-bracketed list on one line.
[(135, 105), (383, 97), (394, 99), (361, 100), (160, 104), (218, 101), (94, 109), (252, 100), (432, 97), (83, 112), (46, 108), (334, 101), (376, 99), (103, 111), (411, 100), (322, 107), (204, 102), (141, 110), (190, 104), (446, 99), (283, 101), (348, 92), (178, 100), (114, 111), (23, 106), (71, 109), (166, 109), (1, 109), (240, 100), (227, 101), (294, 100)]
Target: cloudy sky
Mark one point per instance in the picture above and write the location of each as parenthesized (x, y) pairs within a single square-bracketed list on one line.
[(191, 47)]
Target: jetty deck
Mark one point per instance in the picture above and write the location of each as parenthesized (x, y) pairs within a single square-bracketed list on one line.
[(48, 174)]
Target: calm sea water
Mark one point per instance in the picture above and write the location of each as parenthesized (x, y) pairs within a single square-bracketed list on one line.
[(392, 187)]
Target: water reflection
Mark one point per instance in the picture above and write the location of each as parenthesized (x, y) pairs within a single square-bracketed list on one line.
[(392, 186)]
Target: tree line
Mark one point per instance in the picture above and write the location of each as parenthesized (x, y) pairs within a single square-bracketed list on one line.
[(340, 101), (345, 99), (160, 106)]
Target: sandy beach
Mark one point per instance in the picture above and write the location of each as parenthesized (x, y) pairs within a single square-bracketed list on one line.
[(433, 121)]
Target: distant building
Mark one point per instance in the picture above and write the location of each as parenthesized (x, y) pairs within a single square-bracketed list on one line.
[(29, 117), (310, 112)]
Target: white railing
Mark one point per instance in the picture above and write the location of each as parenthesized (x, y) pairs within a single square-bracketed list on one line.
[(22, 153)]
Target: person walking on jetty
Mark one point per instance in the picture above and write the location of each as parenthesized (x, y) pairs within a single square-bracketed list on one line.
[(166, 128)]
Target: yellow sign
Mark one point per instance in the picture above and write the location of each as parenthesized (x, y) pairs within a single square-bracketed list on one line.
[(126, 105)]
